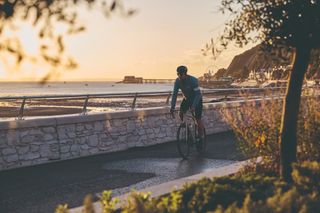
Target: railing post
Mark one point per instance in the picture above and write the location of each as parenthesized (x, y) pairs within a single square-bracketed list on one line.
[(134, 101), (20, 115), (168, 98), (84, 109)]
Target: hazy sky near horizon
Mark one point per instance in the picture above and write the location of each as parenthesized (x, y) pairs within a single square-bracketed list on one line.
[(151, 44)]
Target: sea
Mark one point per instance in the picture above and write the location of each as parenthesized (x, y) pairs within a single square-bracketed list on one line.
[(71, 88), (10, 108)]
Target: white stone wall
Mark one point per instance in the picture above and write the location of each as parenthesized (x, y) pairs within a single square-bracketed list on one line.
[(42, 140)]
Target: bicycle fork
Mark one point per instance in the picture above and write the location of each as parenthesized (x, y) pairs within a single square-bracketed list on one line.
[(189, 134)]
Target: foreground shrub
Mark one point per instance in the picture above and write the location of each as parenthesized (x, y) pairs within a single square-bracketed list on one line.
[(236, 194), (257, 127)]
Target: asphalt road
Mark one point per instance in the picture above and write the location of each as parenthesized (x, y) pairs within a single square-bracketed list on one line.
[(41, 188)]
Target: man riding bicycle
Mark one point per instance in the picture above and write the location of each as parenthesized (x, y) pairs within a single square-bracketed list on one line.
[(192, 97)]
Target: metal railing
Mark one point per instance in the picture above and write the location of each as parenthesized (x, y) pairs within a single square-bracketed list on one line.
[(225, 92)]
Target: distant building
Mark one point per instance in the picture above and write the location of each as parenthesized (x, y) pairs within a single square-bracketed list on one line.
[(208, 81), (132, 80)]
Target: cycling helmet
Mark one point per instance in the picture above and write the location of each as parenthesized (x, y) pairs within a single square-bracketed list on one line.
[(182, 69)]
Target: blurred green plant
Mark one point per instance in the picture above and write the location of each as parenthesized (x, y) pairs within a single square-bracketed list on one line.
[(236, 194), (108, 203)]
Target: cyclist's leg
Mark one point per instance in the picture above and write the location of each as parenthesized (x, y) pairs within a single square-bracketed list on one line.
[(198, 115), (183, 108)]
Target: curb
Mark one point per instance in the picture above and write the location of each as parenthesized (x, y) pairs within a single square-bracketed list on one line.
[(167, 187)]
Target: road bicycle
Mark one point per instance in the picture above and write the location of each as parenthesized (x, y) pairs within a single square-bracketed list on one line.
[(188, 136)]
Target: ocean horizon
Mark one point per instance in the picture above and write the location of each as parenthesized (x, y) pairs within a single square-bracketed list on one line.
[(76, 87)]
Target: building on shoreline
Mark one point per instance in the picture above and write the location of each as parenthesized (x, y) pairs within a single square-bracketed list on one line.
[(208, 81), (139, 80), (131, 80)]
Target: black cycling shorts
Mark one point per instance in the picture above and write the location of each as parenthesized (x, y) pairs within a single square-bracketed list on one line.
[(185, 105)]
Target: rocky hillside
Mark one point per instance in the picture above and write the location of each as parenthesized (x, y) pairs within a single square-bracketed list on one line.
[(255, 59)]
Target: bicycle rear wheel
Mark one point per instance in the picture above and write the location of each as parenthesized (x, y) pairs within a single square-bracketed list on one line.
[(202, 144), (183, 141)]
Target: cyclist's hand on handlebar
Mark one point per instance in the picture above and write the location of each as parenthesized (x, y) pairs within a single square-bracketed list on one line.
[(172, 113)]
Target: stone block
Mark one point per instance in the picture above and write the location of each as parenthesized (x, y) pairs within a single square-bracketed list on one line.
[(149, 131), (66, 155), (89, 126), (31, 156), (35, 131), (24, 132), (122, 139), (106, 149), (9, 151), (48, 137), (79, 128), (64, 148), (75, 150), (52, 142), (45, 150), (119, 122), (161, 135), (2, 144), (11, 158), (64, 130), (151, 136), (98, 126), (131, 126), (71, 135), (84, 152), (23, 149), (49, 130), (84, 147), (105, 142), (28, 139), (122, 146), (35, 147), (156, 130), (93, 150), (141, 132), (12, 138), (39, 161), (93, 140), (66, 141)]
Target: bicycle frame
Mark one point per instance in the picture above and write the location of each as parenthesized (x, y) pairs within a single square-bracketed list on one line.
[(191, 123), (189, 136)]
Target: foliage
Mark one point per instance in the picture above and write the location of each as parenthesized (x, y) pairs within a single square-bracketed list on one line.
[(107, 202), (239, 194), (47, 16), (275, 23), (88, 204), (62, 209), (257, 127)]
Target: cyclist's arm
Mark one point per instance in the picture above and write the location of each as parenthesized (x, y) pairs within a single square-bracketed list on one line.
[(197, 93), (174, 94)]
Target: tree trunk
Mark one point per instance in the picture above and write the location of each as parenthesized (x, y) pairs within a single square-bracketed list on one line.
[(288, 141)]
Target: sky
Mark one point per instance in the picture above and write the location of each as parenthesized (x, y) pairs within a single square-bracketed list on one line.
[(162, 35)]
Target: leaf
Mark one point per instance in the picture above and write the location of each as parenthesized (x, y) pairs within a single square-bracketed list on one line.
[(113, 5)]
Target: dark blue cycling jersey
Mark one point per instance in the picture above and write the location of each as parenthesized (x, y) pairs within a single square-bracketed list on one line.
[(190, 90)]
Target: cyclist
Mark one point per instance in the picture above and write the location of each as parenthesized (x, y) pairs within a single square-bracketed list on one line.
[(192, 97)]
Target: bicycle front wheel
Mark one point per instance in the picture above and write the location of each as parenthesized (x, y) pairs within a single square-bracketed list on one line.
[(183, 141), (202, 144)]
